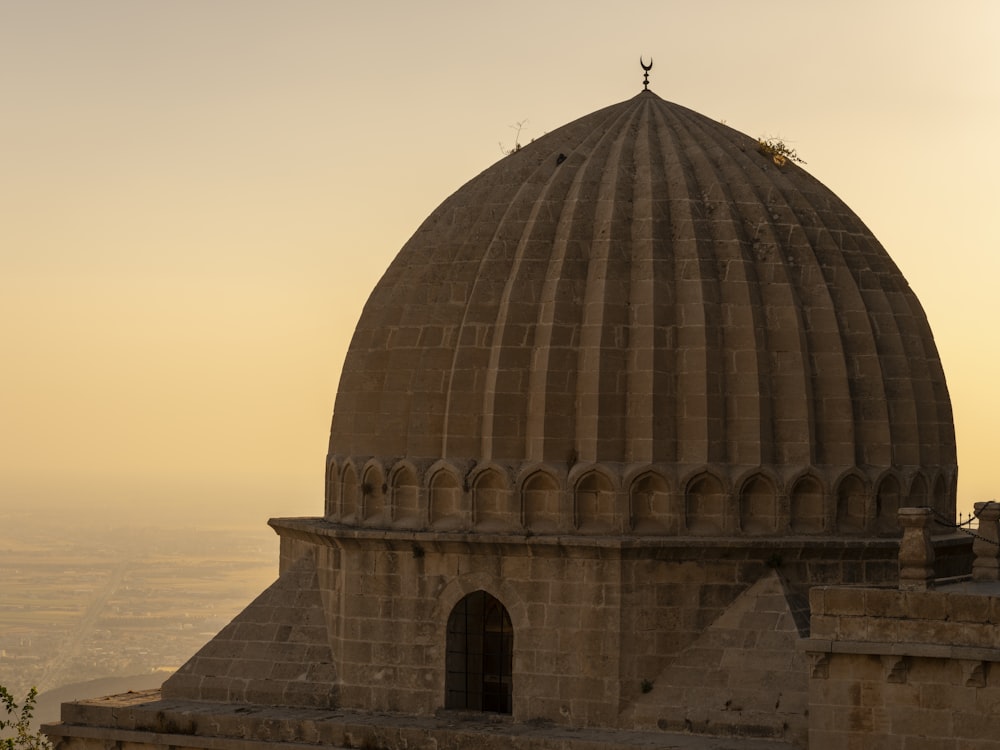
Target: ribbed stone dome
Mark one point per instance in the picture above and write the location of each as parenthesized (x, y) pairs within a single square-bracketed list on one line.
[(640, 323)]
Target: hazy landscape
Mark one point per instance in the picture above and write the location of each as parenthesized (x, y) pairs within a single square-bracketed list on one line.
[(91, 606)]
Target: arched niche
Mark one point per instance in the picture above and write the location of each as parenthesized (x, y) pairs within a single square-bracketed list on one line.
[(446, 506), (807, 508), (851, 500), (758, 506), (887, 502), (653, 510), (540, 496), (704, 504), (918, 497), (940, 498), (349, 492), (594, 498), (332, 491), (373, 496), (492, 502), (479, 655), (406, 498)]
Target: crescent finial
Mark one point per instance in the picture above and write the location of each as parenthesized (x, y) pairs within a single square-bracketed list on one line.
[(645, 75)]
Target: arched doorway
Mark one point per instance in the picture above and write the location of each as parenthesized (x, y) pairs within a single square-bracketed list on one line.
[(479, 658)]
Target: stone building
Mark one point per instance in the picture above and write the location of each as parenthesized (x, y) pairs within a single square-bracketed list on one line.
[(613, 411)]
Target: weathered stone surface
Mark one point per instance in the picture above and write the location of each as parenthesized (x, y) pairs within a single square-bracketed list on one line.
[(743, 672), (725, 326), (276, 652), (900, 666)]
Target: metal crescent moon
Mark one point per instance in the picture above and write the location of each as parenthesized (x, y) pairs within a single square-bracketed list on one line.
[(644, 66)]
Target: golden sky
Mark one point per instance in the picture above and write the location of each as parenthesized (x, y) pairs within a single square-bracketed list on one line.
[(196, 197)]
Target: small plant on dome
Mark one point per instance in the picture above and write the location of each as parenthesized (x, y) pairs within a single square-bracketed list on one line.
[(778, 150), (517, 127)]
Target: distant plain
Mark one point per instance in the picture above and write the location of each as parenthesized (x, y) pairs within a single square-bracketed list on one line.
[(93, 606)]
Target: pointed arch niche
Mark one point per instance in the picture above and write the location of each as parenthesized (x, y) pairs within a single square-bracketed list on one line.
[(446, 502), (887, 506), (652, 509), (758, 506), (705, 505), (491, 499), (373, 497), (332, 494), (479, 655), (595, 504), (807, 507), (851, 497), (405, 498), (918, 493), (941, 498), (540, 495), (348, 495)]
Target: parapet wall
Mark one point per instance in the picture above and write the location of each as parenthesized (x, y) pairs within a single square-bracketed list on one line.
[(900, 669)]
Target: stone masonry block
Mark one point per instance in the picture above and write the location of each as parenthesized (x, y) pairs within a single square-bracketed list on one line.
[(215, 689), (763, 621), (922, 722), (885, 603), (917, 631), (882, 629), (975, 729), (288, 671), (823, 626), (968, 608), (224, 649), (926, 605), (251, 669), (852, 628), (844, 601)]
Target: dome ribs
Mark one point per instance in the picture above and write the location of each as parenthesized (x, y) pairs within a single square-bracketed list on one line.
[(855, 342), (833, 428), (938, 446), (643, 291), (506, 378), (700, 409), (911, 367), (509, 393), (651, 392), (894, 355), (553, 380), (600, 399), (754, 310), (464, 413), (445, 281)]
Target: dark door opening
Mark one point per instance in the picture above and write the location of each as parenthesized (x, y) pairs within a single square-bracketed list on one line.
[(479, 658)]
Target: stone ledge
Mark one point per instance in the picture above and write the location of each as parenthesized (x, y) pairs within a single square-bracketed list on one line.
[(144, 720), (879, 648), (320, 531)]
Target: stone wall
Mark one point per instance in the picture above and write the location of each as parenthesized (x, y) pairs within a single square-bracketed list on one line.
[(394, 599), (145, 721), (276, 652), (608, 632), (905, 669)]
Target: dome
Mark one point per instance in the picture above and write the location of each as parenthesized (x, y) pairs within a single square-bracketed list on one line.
[(641, 323)]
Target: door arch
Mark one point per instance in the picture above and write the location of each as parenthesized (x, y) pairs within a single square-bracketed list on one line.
[(479, 655)]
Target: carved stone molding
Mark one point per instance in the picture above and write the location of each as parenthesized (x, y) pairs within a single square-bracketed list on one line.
[(895, 668)]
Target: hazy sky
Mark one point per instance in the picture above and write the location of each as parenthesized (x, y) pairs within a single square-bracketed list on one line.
[(196, 197)]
